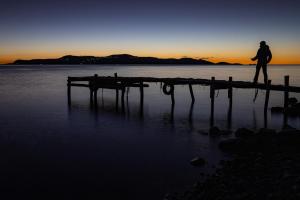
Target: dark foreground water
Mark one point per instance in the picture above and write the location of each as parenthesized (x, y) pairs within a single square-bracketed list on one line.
[(51, 151)]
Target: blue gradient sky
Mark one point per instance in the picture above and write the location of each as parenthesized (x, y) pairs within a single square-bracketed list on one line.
[(215, 29)]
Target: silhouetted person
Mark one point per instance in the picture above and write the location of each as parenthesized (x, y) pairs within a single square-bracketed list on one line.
[(263, 57)]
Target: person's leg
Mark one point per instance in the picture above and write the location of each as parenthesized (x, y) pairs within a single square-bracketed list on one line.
[(264, 67), (258, 66)]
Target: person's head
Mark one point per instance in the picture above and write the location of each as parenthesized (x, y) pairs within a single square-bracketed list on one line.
[(262, 43)]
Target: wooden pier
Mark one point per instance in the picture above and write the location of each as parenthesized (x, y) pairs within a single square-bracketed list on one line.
[(120, 84)]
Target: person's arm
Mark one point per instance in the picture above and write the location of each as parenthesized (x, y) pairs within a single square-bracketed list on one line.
[(256, 57), (269, 56)]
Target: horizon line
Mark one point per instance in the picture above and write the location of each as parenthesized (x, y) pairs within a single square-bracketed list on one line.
[(181, 57)]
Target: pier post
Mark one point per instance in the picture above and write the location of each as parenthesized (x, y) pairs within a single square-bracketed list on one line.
[(172, 113), (191, 113), (230, 88), (172, 95), (91, 87), (91, 96), (212, 100), (286, 91), (141, 92), (69, 91), (267, 96), (265, 120), (286, 100), (229, 116), (95, 89), (95, 97), (127, 92), (117, 91), (123, 98), (192, 93), (141, 100), (267, 103)]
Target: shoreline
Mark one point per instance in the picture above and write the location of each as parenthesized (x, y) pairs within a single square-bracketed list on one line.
[(265, 165)]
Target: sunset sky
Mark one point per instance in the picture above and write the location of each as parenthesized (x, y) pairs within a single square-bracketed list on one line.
[(216, 30)]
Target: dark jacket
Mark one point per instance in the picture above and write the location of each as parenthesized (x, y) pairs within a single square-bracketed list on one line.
[(263, 55)]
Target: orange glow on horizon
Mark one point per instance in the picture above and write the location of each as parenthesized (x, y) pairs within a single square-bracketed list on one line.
[(244, 59)]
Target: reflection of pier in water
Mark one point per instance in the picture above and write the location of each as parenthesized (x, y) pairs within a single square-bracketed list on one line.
[(122, 84)]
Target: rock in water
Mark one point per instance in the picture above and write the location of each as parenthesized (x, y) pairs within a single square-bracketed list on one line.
[(214, 131), (199, 162), (225, 132), (267, 132), (296, 105), (230, 145), (292, 101), (243, 132)]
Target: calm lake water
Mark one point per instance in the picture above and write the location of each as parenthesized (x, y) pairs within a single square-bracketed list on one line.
[(48, 147)]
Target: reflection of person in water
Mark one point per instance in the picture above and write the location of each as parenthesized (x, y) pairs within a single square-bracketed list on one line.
[(263, 57)]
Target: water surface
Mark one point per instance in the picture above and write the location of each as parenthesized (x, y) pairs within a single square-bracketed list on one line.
[(49, 147)]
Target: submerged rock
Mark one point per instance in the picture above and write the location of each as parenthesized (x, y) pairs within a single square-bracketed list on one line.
[(214, 131), (244, 132), (267, 132), (266, 167), (197, 161), (292, 101), (229, 145), (296, 105), (294, 110)]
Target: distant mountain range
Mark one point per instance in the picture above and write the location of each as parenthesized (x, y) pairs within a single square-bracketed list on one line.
[(117, 59)]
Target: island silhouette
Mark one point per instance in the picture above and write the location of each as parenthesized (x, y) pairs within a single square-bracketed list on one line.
[(118, 59)]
